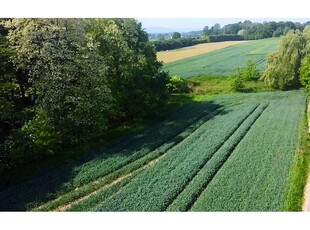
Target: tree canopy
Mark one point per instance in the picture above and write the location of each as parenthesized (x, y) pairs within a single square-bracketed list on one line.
[(282, 69), (66, 81)]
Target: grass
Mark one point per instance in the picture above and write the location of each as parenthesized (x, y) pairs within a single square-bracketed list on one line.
[(224, 62), (221, 84)]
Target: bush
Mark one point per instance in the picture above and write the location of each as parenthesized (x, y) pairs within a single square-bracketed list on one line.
[(238, 80), (177, 85)]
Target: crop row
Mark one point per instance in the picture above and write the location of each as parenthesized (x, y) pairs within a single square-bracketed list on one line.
[(126, 169), (255, 177), (65, 178), (192, 191), (155, 188)]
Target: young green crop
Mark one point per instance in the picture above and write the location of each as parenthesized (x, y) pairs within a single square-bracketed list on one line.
[(192, 191), (255, 177), (155, 188), (57, 182), (224, 62)]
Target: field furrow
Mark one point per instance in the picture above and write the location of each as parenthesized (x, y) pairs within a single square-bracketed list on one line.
[(153, 189), (194, 188)]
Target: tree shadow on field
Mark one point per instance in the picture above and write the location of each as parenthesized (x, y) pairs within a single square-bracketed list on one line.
[(48, 184)]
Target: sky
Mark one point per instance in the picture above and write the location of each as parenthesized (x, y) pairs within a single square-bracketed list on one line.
[(192, 24)]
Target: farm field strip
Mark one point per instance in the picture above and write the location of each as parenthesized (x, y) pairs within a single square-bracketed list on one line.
[(194, 188), (227, 152), (256, 176), (223, 62), (153, 189), (108, 189), (174, 55), (20, 195), (136, 165)]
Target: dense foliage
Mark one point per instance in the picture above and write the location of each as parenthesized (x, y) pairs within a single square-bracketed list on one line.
[(254, 30), (247, 73), (282, 71), (66, 81)]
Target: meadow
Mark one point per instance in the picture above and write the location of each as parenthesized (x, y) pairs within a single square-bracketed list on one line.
[(223, 62), (231, 152)]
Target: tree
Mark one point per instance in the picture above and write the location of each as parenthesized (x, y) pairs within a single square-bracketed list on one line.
[(206, 31), (283, 65), (250, 71), (66, 73), (134, 75), (305, 73), (176, 35), (238, 80), (216, 29)]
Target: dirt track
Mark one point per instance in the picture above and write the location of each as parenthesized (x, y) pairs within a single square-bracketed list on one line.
[(174, 55)]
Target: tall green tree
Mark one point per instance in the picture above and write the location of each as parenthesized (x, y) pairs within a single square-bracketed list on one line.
[(176, 35), (66, 75), (134, 74), (283, 65)]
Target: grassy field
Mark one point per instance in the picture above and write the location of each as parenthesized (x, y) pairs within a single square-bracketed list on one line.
[(223, 62), (221, 84), (223, 152), (178, 54)]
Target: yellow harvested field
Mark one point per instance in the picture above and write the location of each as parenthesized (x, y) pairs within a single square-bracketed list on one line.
[(178, 54)]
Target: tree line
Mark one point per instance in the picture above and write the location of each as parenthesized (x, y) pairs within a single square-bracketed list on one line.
[(255, 30), (175, 43), (67, 81), (246, 30)]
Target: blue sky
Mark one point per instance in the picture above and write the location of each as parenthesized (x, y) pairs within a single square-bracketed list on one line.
[(189, 24)]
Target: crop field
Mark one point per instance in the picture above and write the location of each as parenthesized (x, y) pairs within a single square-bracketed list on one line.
[(223, 62), (232, 152), (178, 54)]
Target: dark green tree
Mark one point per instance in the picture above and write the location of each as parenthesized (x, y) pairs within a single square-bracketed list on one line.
[(176, 35)]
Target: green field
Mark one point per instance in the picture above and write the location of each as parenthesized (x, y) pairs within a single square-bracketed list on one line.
[(232, 152), (224, 62)]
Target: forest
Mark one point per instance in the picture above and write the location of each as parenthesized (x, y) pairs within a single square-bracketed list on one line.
[(68, 81)]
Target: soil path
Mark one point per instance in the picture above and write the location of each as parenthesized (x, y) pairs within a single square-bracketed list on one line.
[(306, 206)]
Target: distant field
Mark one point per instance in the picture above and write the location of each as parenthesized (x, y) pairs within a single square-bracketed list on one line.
[(223, 62), (231, 152), (178, 54)]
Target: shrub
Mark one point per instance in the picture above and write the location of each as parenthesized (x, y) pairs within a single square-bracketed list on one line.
[(177, 85)]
